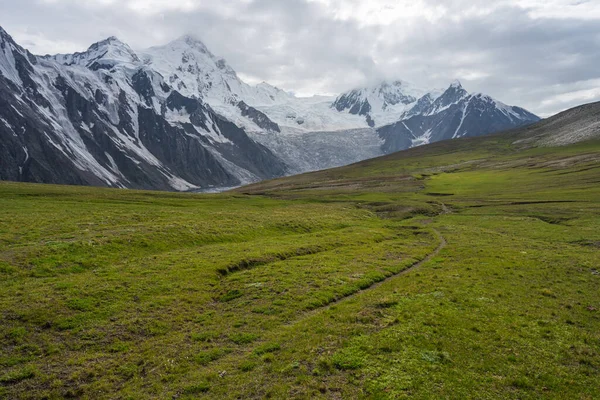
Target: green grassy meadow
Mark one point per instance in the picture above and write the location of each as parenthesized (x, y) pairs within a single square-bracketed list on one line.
[(465, 269)]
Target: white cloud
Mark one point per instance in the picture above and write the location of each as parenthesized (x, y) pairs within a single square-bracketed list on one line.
[(582, 9), (381, 12), (540, 54)]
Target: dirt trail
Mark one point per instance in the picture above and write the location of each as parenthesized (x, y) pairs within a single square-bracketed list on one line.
[(445, 209), (441, 245), (303, 316)]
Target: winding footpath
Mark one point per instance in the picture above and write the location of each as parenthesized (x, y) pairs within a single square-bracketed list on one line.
[(303, 316), (440, 247)]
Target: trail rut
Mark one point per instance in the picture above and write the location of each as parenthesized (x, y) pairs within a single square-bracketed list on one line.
[(440, 247)]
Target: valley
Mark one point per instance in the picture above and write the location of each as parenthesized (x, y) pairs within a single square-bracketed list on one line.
[(299, 199), (465, 268)]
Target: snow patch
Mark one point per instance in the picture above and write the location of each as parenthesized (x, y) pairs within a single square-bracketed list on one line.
[(17, 111), (423, 139), (462, 120), (9, 126), (8, 64)]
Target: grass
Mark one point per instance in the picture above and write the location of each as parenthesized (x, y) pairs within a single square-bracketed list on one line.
[(292, 288)]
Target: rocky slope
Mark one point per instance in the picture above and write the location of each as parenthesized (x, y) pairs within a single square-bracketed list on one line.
[(576, 125), (102, 117)]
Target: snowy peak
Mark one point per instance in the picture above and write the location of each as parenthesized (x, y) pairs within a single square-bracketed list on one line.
[(193, 50), (105, 54), (453, 95), (193, 42), (190, 68), (111, 44), (456, 84), (193, 70), (188, 51), (360, 101), (380, 104), (112, 50), (397, 92)]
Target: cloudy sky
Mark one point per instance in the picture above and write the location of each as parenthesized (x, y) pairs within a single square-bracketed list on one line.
[(540, 54)]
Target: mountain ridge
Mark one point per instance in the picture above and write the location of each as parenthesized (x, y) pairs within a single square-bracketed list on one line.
[(90, 122), (115, 109)]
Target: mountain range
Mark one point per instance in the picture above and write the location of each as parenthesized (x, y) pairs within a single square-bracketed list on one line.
[(176, 117)]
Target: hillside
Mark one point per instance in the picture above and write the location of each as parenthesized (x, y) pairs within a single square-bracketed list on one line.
[(501, 150), (460, 269)]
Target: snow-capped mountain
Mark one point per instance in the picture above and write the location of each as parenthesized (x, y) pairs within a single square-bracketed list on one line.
[(271, 115), (190, 68), (454, 114), (102, 55), (400, 115), (176, 117), (194, 71), (380, 104), (102, 117)]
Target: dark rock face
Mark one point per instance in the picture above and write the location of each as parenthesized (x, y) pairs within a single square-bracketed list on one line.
[(248, 154), (238, 148), (423, 105), (453, 115), (29, 151), (259, 118), (142, 84), (354, 102), (115, 130), (452, 95), (370, 121)]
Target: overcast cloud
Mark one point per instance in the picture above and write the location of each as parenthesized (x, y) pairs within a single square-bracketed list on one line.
[(543, 55)]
